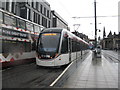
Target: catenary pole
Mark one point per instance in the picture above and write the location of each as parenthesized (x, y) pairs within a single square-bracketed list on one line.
[(95, 24)]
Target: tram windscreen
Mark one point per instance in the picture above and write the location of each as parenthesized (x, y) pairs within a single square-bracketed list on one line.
[(49, 42)]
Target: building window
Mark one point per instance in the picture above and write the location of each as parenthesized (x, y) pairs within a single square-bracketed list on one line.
[(44, 11), (1, 4), (23, 11), (13, 7), (54, 22), (36, 18), (41, 8), (49, 24), (39, 19), (48, 13), (1, 18), (33, 16), (7, 6), (28, 14), (29, 17), (44, 22), (32, 4), (29, 2), (37, 5)]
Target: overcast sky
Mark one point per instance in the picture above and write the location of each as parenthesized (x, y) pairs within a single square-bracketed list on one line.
[(85, 8)]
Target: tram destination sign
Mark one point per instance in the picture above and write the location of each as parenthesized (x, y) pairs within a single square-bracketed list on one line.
[(14, 33)]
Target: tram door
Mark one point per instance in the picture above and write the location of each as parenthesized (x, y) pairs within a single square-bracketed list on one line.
[(70, 48)]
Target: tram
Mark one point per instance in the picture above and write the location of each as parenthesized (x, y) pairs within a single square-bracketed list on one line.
[(57, 46), (17, 38)]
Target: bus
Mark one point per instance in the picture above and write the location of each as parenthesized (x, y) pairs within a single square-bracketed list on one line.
[(17, 38)]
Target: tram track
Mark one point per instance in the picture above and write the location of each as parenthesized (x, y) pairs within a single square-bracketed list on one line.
[(28, 76), (108, 56)]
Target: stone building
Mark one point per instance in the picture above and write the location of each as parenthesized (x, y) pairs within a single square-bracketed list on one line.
[(112, 42), (37, 11)]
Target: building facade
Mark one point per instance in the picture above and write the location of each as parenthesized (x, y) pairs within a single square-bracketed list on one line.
[(37, 11), (112, 42), (58, 21)]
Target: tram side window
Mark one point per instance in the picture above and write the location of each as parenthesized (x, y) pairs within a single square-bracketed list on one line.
[(78, 46), (84, 46), (81, 45), (73, 46), (29, 26), (37, 29), (21, 24), (64, 45), (70, 44), (9, 20)]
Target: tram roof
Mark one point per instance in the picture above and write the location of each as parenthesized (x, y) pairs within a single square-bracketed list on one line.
[(59, 30), (56, 30)]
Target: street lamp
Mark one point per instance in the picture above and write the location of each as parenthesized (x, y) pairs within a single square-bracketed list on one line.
[(96, 34)]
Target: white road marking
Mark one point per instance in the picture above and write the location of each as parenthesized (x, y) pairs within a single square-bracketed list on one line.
[(60, 75)]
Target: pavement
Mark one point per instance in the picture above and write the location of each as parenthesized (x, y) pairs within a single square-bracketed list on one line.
[(98, 73)]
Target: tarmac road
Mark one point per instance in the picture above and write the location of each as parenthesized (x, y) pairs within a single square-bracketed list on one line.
[(28, 76)]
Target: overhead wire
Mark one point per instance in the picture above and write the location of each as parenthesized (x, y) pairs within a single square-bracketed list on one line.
[(97, 16)]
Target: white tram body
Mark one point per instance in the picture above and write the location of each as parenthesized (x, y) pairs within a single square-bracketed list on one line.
[(56, 47)]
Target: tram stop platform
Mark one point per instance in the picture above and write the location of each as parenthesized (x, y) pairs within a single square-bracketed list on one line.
[(98, 73)]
